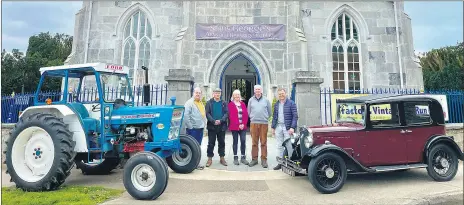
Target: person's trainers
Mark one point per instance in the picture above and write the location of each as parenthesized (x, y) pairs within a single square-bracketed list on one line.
[(244, 161), (264, 163), (253, 163), (235, 160), (278, 167)]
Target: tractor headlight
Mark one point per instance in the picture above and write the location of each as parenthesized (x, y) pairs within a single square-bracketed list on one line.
[(309, 140), (174, 130)]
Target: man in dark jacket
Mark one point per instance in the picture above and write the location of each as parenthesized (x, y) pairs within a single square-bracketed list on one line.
[(284, 120), (217, 114)]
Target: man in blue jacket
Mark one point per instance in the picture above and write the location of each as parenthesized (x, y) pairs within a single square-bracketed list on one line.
[(284, 120)]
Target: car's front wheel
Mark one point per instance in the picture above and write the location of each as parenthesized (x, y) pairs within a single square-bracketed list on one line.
[(327, 173), (442, 163)]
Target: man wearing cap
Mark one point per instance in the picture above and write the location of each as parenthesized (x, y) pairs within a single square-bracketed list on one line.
[(216, 113)]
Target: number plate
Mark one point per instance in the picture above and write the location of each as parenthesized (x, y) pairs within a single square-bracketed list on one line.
[(288, 171)]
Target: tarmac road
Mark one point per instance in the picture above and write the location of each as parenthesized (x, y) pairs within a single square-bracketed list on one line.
[(212, 186)]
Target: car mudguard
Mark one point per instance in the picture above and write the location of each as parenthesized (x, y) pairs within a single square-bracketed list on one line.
[(323, 148), (448, 140)]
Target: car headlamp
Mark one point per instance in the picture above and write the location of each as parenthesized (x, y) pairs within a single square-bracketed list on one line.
[(309, 140)]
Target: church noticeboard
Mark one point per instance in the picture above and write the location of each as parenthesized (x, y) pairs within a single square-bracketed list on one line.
[(254, 32)]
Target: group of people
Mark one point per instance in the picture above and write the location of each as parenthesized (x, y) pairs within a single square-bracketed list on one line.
[(220, 116)]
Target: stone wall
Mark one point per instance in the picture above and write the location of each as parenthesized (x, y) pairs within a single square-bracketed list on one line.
[(375, 22)]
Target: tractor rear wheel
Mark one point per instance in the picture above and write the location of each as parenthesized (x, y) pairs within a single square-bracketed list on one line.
[(187, 159), (40, 152), (145, 176), (102, 168)]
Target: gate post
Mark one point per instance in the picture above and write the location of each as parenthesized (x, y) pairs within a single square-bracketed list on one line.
[(307, 94), (180, 84)]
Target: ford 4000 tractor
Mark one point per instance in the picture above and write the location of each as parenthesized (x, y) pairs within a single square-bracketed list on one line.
[(59, 132)]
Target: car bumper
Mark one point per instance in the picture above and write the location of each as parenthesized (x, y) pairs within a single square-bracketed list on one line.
[(290, 167)]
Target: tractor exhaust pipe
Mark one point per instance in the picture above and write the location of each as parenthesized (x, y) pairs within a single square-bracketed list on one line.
[(146, 88)]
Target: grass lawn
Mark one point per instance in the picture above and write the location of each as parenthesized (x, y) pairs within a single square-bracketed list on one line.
[(66, 195)]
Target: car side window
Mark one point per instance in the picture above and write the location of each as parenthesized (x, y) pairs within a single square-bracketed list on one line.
[(384, 115), (417, 113)]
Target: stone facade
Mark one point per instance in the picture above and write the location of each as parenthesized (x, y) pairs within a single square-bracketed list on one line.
[(173, 43)]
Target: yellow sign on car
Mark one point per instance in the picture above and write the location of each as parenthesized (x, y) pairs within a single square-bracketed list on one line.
[(355, 111)]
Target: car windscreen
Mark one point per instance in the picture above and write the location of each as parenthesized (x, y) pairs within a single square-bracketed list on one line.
[(350, 112)]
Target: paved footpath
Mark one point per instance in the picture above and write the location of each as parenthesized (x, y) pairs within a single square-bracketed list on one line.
[(243, 185)]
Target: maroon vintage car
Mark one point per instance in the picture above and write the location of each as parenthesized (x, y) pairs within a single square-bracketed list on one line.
[(399, 132)]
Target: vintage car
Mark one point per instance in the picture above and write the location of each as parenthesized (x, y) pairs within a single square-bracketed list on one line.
[(400, 132)]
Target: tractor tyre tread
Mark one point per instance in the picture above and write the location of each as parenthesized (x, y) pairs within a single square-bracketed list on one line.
[(64, 152)]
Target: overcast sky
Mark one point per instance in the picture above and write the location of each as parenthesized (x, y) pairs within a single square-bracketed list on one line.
[(434, 24)]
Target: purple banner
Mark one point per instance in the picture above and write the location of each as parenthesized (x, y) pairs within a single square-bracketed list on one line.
[(254, 32)]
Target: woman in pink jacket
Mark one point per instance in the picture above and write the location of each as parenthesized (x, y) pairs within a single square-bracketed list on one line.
[(238, 120)]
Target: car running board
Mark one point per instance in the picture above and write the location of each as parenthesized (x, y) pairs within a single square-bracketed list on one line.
[(397, 167)]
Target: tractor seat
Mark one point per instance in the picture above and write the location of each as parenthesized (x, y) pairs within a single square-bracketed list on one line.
[(90, 124)]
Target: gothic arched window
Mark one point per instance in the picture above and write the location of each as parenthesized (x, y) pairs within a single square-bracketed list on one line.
[(345, 55), (136, 45)]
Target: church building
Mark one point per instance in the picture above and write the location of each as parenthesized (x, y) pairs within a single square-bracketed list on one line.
[(349, 45)]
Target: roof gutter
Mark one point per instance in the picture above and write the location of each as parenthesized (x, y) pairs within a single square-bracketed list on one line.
[(88, 33), (398, 45)]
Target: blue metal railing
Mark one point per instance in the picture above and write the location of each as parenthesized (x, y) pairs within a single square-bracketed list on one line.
[(454, 98), (13, 105)]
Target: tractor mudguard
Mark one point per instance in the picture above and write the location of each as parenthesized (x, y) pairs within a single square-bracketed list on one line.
[(323, 148), (448, 140), (69, 117)]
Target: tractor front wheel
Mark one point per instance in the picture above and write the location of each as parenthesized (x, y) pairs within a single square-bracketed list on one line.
[(40, 153), (187, 159), (145, 176)]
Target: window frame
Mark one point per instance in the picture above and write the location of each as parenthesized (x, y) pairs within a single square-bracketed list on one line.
[(345, 44), (429, 123), (390, 126), (137, 41)]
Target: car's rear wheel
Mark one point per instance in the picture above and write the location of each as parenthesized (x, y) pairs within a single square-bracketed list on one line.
[(327, 173), (442, 163)]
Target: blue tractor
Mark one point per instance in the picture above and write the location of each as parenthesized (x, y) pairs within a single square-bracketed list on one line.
[(97, 134)]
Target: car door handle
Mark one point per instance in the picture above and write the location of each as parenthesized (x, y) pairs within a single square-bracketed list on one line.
[(405, 131)]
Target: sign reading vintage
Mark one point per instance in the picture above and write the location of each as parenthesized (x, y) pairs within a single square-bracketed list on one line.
[(254, 32)]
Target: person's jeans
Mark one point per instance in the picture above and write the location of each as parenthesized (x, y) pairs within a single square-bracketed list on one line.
[(196, 133), (235, 135), (220, 135)]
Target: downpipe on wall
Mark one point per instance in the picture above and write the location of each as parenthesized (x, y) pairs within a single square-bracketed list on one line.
[(88, 32), (398, 48)]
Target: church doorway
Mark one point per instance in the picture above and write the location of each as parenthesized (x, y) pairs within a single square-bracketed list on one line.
[(240, 73)]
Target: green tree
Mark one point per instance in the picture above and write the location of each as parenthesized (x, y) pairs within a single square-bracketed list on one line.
[(443, 68), (21, 73)]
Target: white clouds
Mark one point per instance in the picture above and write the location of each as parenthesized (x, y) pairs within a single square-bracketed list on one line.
[(14, 24), (435, 24), (19, 42), (20, 20)]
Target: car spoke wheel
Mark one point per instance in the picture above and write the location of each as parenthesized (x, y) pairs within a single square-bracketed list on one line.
[(442, 163), (327, 172)]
